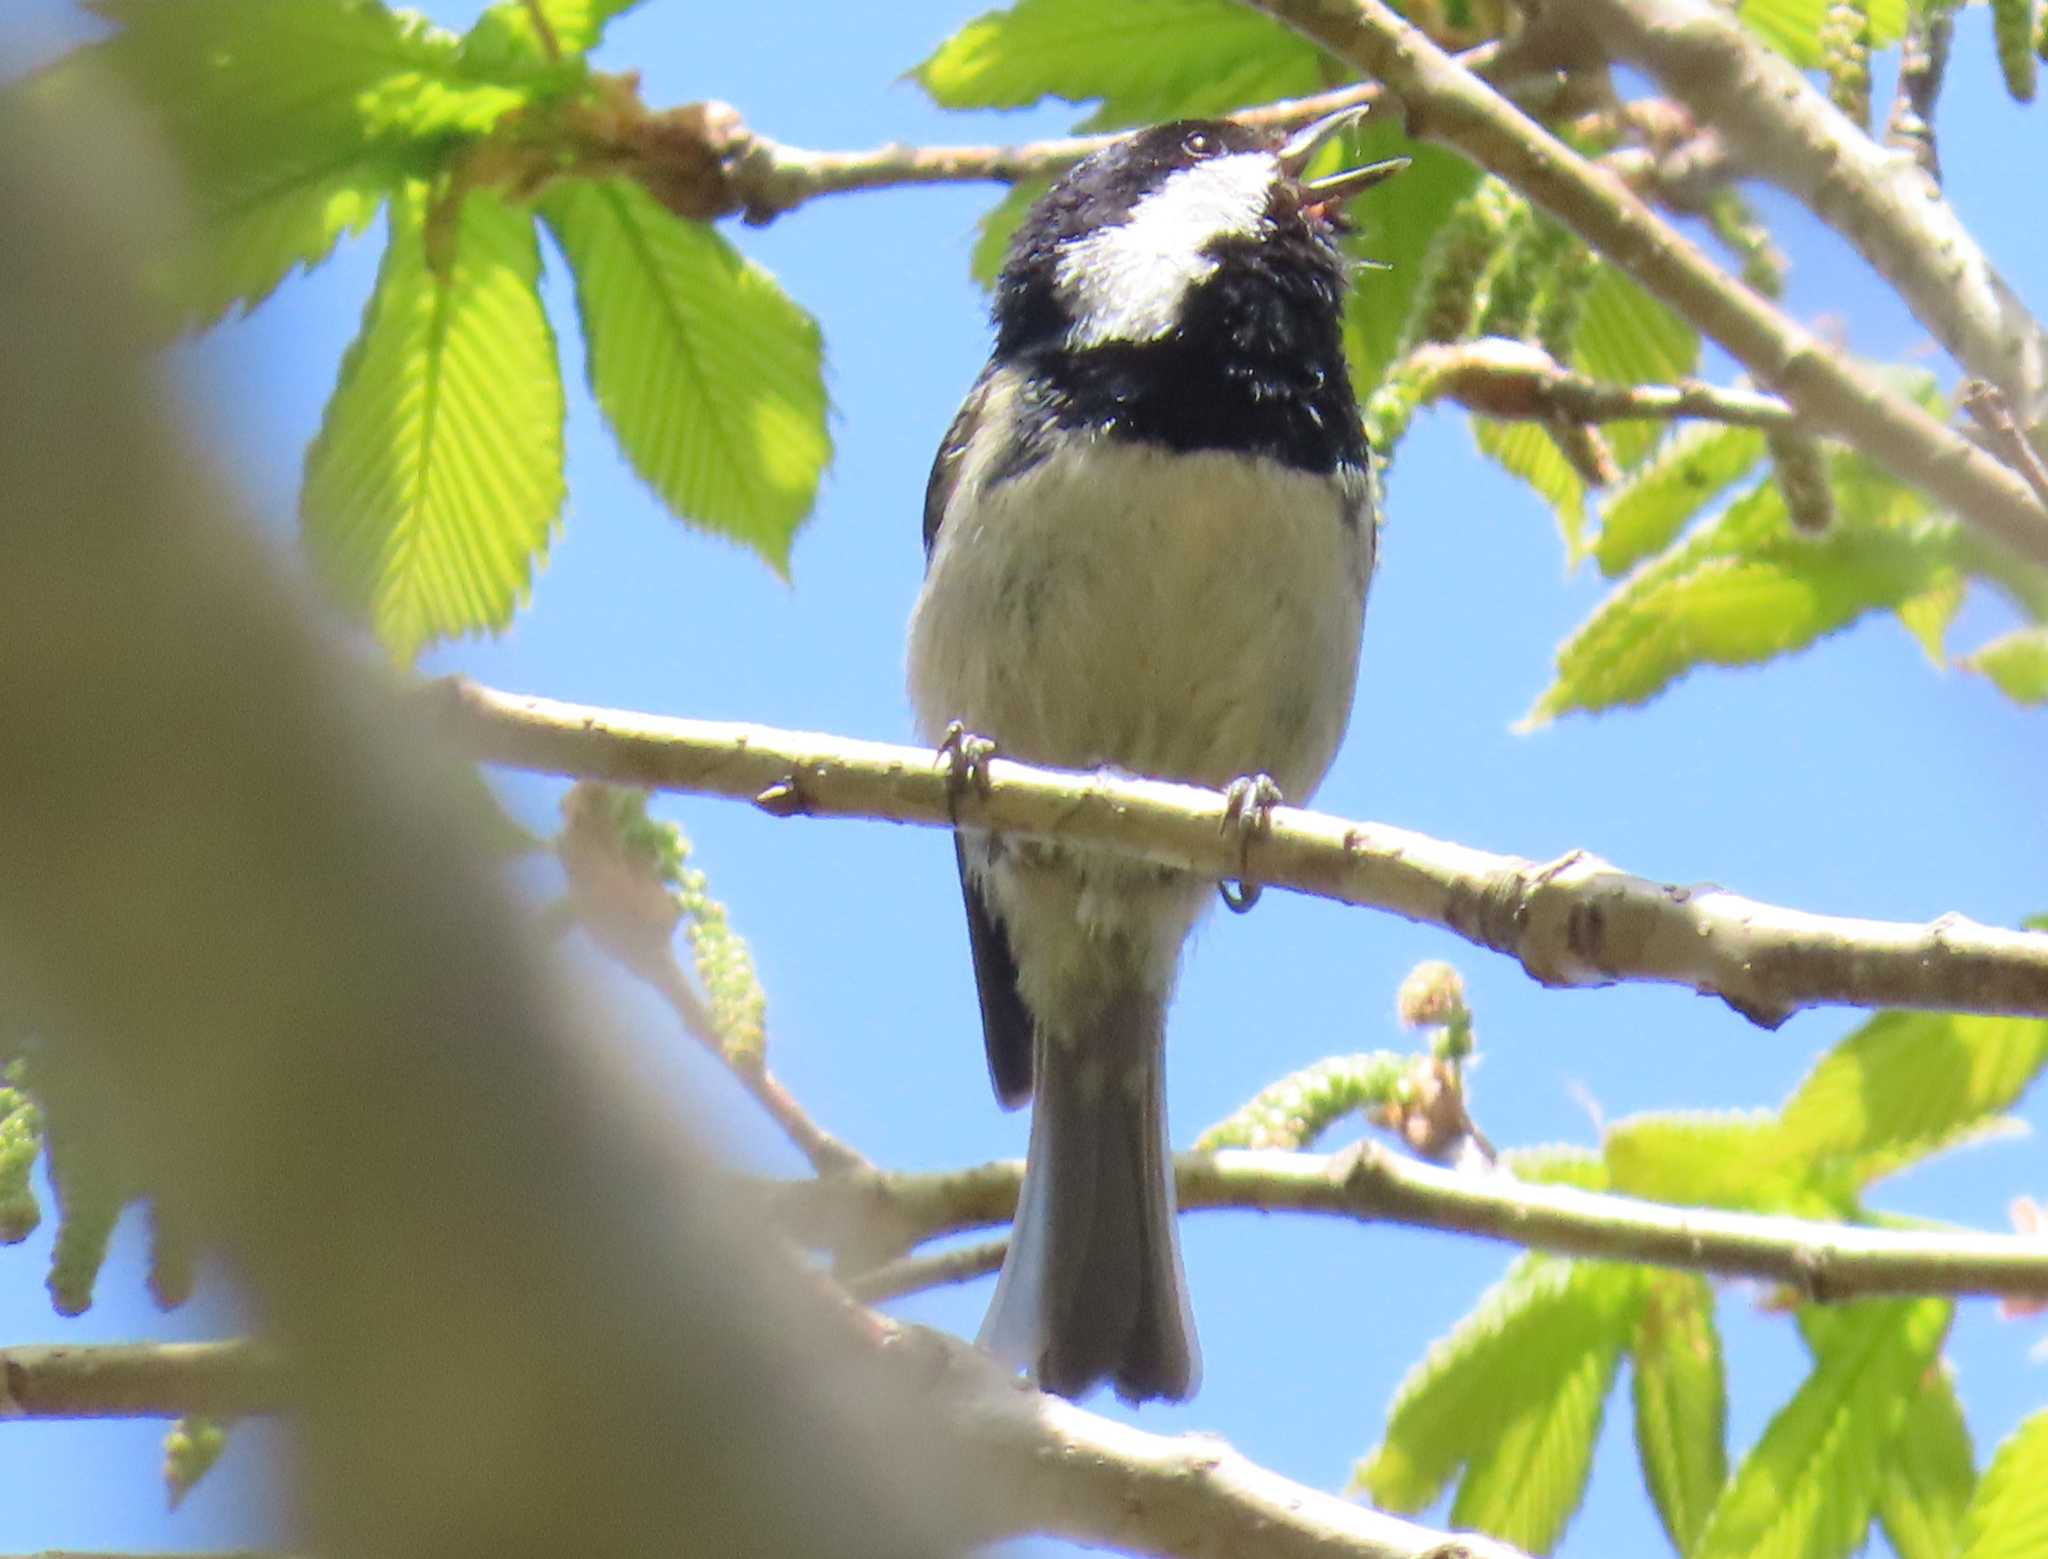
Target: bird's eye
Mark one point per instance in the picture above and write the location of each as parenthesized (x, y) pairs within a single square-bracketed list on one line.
[(1199, 143)]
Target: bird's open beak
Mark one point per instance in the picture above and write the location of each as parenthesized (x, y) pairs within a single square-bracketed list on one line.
[(1334, 189)]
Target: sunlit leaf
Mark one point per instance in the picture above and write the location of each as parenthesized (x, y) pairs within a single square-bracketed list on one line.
[(1681, 1403), (1557, 1164), (1705, 1159), (1793, 27), (1685, 474), (1513, 1396), (1809, 1487), (291, 122), (711, 377), (1142, 60), (436, 478), (1527, 451), (1932, 1475), (1394, 225), (2008, 1519), (2017, 664), (1625, 336), (506, 32)]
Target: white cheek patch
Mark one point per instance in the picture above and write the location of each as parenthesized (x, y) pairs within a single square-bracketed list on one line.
[(1126, 282)]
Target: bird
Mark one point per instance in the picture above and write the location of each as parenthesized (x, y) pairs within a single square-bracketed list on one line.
[(1148, 537)]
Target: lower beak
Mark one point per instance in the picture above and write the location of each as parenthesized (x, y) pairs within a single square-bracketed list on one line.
[(1333, 190)]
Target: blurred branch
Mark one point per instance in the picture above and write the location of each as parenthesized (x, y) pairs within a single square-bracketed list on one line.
[(1823, 1261), (1574, 921), (1449, 105), (213, 1379), (1046, 1467), (1781, 126), (1988, 408), (1518, 379)]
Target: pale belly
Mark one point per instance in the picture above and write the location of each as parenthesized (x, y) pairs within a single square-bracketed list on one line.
[(1187, 616)]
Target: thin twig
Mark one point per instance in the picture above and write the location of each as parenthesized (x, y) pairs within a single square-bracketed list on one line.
[(1371, 1184), (1574, 921), (1989, 409), (915, 1274), (1518, 379), (1448, 104)]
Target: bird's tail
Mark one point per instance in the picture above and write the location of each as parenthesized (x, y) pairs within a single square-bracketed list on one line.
[(1092, 1287)]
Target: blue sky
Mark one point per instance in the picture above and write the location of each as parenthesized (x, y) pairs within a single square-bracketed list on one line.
[(1855, 778)]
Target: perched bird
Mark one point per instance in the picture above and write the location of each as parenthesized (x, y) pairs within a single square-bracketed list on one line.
[(1148, 535)]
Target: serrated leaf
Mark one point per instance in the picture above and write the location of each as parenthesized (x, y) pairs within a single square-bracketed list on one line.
[(1681, 1403), (1394, 225), (1526, 450), (1707, 1159), (1748, 588), (1929, 615), (1685, 474), (506, 32), (1793, 27), (436, 478), (1906, 1084), (1933, 1473), (1809, 1487), (1514, 1396), (2008, 1518), (2017, 664), (1141, 60), (292, 124), (1557, 1163), (1625, 336), (711, 377)]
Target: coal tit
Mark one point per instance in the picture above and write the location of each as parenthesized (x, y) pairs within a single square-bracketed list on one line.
[(1148, 536)]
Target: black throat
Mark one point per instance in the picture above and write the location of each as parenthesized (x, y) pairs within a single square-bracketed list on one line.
[(1255, 364)]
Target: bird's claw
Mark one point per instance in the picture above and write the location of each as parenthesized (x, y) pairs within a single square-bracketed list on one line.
[(1248, 811), (966, 758)]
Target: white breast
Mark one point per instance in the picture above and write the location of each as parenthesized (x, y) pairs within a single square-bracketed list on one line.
[(1194, 616)]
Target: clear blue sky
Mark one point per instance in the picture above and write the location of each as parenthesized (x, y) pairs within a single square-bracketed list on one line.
[(1853, 779)]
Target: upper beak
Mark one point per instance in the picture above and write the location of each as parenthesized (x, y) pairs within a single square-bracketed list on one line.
[(1336, 188)]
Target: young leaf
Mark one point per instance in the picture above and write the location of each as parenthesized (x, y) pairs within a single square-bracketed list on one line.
[(1933, 1473), (1528, 451), (1808, 1488), (2008, 1519), (1681, 1402), (1793, 27), (506, 33), (1747, 589), (2017, 664), (1736, 1161), (292, 123), (1514, 1395), (1688, 471), (1557, 1163), (711, 377), (1144, 60), (1394, 225), (436, 477), (993, 232), (1906, 1084), (1625, 336)]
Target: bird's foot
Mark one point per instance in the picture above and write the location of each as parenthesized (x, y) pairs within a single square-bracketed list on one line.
[(1248, 812), (966, 758)]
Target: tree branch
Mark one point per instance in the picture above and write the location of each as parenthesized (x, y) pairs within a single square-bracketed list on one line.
[(1450, 105), (1784, 128), (1575, 921), (1371, 1184), (132, 1380), (1518, 379), (1046, 1465)]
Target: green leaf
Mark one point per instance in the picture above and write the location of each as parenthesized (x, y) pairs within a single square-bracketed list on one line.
[(1525, 449), (2017, 664), (1809, 1487), (506, 33), (1929, 615), (1736, 1161), (1655, 502), (711, 377), (1142, 60), (993, 232), (1625, 336), (1748, 588), (436, 478), (1557, 1163), (1394, 226), (1906, 1084), (1793, 27), (292, 124), (2008, 1519), (1514, 1395), (1681, 1402), (1933, 1473)]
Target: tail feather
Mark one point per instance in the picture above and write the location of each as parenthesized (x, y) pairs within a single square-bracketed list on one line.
[(1092, 1288)]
